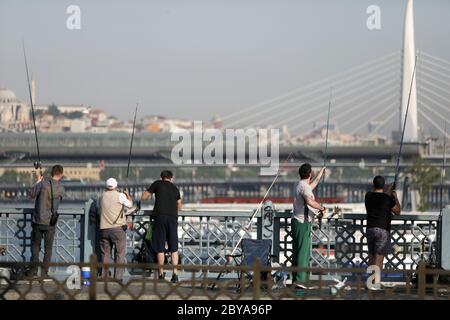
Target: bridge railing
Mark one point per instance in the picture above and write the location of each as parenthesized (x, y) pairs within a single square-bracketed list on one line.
[(206, 236), (15, 234), (267, 283), (341, 241)]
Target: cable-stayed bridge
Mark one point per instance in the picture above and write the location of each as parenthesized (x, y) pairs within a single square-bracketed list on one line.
[(369, 93)]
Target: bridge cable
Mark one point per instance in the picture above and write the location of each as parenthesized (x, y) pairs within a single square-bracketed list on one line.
[(375, 85), (439, 87), (293, 102), (292, 92), (377, 116), (432, 57), (347, 93), (429, 118), (296, 97), (349, 110), (434, 102), (385, 121), (352, 120)]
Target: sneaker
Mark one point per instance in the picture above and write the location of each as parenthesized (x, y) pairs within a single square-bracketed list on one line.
[(302, 286), (174, 278), (45, 278), (376, 288), (118, 281), (162, 276)]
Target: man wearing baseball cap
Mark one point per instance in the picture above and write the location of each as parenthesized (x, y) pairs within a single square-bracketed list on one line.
[(113, 225)]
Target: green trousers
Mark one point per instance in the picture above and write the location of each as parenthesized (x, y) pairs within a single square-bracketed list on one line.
[(301, 248)]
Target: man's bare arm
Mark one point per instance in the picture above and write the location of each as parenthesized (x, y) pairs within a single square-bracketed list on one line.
[(397, 209), (314, 204), (146, 195), (314, 183), (128, 195), (179, 204)]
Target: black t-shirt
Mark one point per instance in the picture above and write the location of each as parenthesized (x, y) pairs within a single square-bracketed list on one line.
[(166, 196), (378, 207)]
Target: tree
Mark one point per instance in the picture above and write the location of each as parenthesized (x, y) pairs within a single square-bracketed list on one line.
[(74, 115), (53, 110), (422, 178), (13, 177)]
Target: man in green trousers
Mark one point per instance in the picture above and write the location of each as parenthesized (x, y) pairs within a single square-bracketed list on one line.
[(301, 221)]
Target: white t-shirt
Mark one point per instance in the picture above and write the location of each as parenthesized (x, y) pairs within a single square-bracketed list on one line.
[(302, 189), (123, 200)]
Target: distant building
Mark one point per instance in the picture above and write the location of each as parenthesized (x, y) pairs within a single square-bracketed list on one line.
[(13, 113), (74, 108), (79, 125)]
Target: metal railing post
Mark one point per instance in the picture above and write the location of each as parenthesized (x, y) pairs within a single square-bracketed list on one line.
[(93, 263), (421, 280), (88, 232), (256, 280)]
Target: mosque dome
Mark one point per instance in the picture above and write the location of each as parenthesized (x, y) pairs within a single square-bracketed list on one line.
[(7, 95)]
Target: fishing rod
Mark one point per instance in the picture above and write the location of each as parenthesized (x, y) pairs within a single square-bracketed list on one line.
[(37, 164), (138, 203), (132, 138), (404, 126), (325, 153), (252, 217)]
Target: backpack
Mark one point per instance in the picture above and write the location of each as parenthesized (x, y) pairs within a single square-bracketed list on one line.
[(146, 253), (430, 264)]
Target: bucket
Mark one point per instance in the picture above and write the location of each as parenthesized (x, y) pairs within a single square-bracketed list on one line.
[(85, 276)]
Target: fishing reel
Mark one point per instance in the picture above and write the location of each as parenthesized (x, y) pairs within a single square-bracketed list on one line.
[(336, 212), (37, 165), (319, 217)]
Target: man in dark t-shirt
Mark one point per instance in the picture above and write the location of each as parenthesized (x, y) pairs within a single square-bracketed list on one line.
[(48, 195), (165, 227), (379, 206)]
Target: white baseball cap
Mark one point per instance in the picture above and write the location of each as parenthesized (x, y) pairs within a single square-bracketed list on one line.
[(111, 183)]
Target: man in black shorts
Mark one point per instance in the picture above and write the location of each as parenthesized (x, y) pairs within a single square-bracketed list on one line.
[(379, 206), (165, 227)]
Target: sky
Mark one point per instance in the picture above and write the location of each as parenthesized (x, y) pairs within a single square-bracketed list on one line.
[(194, 59)]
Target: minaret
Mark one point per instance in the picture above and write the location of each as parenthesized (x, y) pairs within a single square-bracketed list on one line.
[(33, 91), (409, 53)]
